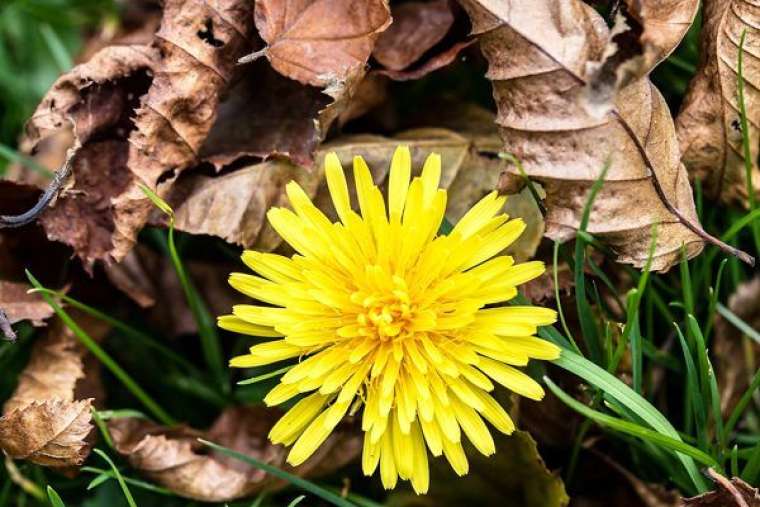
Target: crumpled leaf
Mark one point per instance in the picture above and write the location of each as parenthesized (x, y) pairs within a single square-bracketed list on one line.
[(141, 115), (19, 305), (92, 102), (406, 50), (539, 53), (320, 42), (416, 28), (731, 349), (515, 476), (48, 419), (233, 206), (726, 493), (250, 123), (174, 458), (709, 127), (646, 32)]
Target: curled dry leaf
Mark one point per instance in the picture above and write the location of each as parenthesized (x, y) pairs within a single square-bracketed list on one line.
[(174, 458), (416, 28), (539, 53), (251, 123), (734, 492), (646, 32), (320, 42), (20, 305), (48, 419), (709, 125), (234, 206), (139, 113), (89, 106)]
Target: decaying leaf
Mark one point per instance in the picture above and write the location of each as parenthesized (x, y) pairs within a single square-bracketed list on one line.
[(94, 101), (646, 32), (48, 419), (250, 123), (734, 492), (174, 458), (515, 476), (320, 42), (140, 113), (233, 206), (19, 305), (417, 27), (539, 53), (709, 126)]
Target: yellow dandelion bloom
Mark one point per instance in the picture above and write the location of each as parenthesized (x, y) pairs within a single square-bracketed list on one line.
[(387, 316)]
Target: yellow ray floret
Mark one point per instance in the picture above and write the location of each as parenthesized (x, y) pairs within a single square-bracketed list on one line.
[(382, 312)]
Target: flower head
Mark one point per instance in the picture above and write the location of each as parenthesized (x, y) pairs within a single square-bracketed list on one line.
[(389, 317)]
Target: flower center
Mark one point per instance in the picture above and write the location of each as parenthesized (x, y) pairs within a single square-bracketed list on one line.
[(386, 315)]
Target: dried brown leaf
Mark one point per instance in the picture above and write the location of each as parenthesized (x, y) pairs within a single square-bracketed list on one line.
[(141, 115), (174, 458), (709, 126), (416, 28), (646, 32), (438, 61), (733, 493), (266, 114), (320, 42), (234, 206), (539, 54), (48, 419), (19, 305)]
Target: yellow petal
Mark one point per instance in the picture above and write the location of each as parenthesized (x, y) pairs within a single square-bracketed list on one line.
[(512, 378), (398, 181), (314, 435), (295, 420), (336, 183), (388, 473), (455, 455), (421, 473), (238, 325)]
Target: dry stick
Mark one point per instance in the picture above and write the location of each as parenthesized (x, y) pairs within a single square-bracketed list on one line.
[(728, 486), (696, 229), (47, 196)]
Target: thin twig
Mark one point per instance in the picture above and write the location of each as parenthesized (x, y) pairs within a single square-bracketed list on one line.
[(47, 196), (728, 486), (252, 57), (696, 229)]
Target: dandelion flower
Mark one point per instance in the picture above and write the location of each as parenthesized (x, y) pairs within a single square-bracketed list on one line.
[(388, 317)]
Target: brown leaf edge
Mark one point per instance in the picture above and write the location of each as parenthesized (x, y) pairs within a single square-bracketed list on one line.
[(175, 459), (47, 421)]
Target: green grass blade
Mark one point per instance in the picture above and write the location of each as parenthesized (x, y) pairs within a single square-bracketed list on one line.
[(738, 323), (296, 501), (618, 390), (555, 268), (119, 478), (109, 474), (588, 324), (57, 49), (54, 497), (692, 384), (210, 342), (630, 428), (104, 357), (309, 486)]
